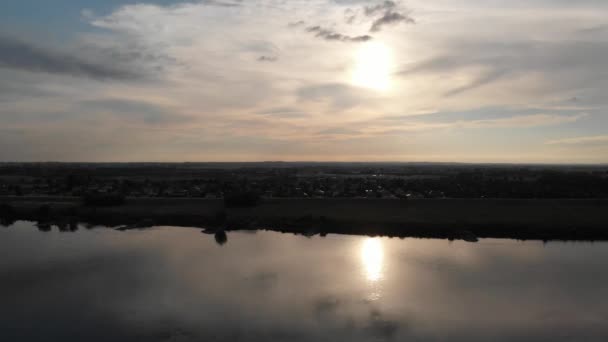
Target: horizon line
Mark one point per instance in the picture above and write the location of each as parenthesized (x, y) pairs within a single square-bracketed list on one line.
[(310, 162)]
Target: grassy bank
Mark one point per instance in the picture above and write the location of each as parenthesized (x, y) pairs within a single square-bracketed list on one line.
[(445, 218)]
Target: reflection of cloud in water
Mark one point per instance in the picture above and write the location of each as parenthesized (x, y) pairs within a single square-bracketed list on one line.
[(263, 281), (361, 319), (325, 305), (380, 327)]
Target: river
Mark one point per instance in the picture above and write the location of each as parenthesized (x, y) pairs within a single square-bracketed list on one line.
[(178, 284)]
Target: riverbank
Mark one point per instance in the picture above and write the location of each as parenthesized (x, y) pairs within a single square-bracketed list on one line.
[(553, 219)]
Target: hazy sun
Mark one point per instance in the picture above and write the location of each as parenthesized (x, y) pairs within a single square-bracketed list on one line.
[(373, 64)]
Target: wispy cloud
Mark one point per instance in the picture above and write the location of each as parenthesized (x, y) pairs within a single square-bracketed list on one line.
[(283, 112), (534, 120), (559, 64), (331, 35), (580, 140), (131, 111), (339, 131), (427, 122)]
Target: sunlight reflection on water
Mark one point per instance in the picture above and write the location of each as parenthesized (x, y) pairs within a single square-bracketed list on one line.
[(372, 258)]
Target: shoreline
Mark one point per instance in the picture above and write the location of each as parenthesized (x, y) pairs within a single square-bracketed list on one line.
[(466, 219)]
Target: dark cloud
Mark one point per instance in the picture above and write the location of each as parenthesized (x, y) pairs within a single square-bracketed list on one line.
[(16, 54), (386, 13), (380, 8), (237, 3), (390, 18), (328, 34), (382, 14), (268, 59), (137, 59)]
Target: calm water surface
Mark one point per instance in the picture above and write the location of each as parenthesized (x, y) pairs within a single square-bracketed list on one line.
[(177, 284)]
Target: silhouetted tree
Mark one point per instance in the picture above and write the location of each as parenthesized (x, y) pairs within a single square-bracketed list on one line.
[(43, 226), (7, 215)]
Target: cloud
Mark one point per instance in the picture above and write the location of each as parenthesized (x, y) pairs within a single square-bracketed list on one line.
[(481, 80), (595, 30), (379, 8), (14, 87), (382, 14), (16, 54), (385, 14), (399, 125), (523, 121), (339, 131), (224, 73), (268, 59), (296, 23), (339, 96), (283, 112), (559, 65), (330, 35), (580, 140), (390, 18), (131, 111), (236, 3), (350, 16)]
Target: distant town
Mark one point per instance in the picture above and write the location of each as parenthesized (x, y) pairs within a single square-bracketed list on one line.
[(304, 180)]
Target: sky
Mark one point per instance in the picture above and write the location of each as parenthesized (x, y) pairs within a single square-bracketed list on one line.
[(304, 80)]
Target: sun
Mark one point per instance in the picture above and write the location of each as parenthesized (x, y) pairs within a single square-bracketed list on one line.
[(372, 68)]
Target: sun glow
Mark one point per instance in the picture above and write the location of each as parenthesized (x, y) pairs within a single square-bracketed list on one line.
[(373, 66), (372, 257)]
